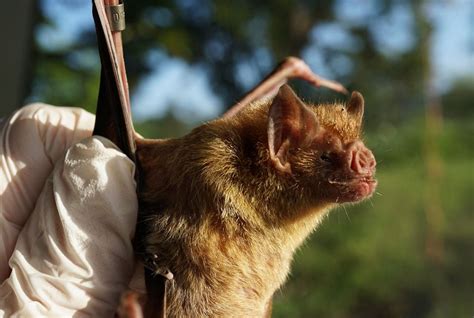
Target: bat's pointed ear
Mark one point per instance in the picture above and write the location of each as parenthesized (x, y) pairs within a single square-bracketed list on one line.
[(355, 106), (291, 124)]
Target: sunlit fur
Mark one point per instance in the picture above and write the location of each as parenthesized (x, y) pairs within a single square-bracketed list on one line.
[(223, 220)]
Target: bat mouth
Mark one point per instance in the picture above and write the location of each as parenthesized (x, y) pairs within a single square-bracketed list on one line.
[(354, 189)]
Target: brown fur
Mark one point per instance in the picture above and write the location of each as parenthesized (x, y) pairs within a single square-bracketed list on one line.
[(223, 220)]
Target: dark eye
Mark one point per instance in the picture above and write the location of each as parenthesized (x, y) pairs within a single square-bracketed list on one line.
[(326, 156)]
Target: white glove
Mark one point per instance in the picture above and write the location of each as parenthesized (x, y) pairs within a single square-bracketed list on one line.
[(74, 254), (32, 140)]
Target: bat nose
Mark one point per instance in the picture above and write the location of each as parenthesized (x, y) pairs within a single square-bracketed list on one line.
[(361, 160)]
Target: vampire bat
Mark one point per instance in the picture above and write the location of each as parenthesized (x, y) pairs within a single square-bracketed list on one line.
[(222, 209), (225, 207)]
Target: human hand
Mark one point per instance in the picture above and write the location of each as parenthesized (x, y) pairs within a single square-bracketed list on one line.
[(74, 255)]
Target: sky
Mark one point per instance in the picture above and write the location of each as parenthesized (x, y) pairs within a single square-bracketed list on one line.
[(453, 48), (183, 86)]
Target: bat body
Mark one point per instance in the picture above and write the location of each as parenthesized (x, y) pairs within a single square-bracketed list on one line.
[(225, 207)]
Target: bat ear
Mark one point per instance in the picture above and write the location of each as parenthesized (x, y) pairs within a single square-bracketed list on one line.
[(355, 106), (291, 124)]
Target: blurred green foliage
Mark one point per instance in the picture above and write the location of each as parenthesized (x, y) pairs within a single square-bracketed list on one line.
[(167, 126), (367, 260), (459, 100)]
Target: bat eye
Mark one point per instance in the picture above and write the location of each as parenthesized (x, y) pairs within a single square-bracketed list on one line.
[(326, 156)]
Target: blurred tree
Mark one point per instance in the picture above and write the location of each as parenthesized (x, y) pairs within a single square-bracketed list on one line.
[(239, 42)]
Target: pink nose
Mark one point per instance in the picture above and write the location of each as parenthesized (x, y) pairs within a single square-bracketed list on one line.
[(361, 159)]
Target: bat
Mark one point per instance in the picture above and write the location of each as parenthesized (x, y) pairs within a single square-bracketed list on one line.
[(225, 207), (222, 209)]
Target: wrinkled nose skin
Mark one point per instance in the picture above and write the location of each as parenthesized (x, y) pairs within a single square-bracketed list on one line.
[(361, 160)]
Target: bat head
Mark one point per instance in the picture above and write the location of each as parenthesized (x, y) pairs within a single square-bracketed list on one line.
[(319, 147), (278, 155)]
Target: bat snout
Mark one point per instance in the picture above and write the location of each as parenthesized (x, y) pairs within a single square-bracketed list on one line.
[(360, 159)]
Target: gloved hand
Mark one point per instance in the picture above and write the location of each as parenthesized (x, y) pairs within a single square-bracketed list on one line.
[(67, 216)]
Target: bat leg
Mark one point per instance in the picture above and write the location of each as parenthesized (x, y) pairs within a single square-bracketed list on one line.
[(117, 43), (290, 67), (113, 116)]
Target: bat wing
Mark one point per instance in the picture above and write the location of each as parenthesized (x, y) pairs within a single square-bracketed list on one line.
[(113, 116), (291, 67), (114, 121)]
